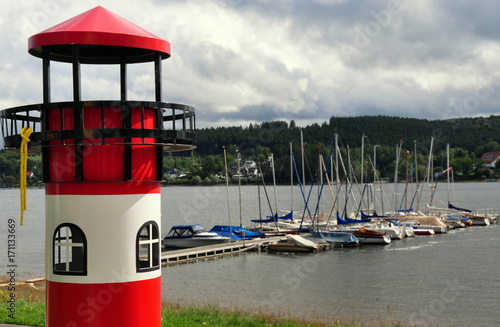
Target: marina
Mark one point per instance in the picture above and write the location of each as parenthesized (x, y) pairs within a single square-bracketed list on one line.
[(401, 281)]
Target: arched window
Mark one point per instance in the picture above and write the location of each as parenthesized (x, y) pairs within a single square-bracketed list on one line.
[(69, 250), (148, 247)]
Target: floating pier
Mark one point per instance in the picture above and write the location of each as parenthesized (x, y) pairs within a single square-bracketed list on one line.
[(213, 251)]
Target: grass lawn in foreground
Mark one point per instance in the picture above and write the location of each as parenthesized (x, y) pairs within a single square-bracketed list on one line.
[(30, 310)]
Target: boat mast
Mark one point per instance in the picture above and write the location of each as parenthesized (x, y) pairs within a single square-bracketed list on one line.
[(337, 177), (398, 152), (362, 160), (291, 178), (239, 187), (407, 181), (302, 155), (330, 184), (362, 181), (227, 190), (274, 183), (320, 188), (430, 171), (448, 170), (258, 195), (416, 193), (416, 170), (426, 180), (267, 198), (429, 163), (375, 180)]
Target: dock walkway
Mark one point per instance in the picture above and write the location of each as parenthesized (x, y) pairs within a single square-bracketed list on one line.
[(212, 251)]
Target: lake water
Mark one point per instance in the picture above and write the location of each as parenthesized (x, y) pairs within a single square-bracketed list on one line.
[(447, 280)]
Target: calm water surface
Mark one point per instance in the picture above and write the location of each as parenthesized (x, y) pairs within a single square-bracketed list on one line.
[(445, 280)]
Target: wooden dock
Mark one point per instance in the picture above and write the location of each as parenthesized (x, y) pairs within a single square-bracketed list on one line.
[(198, 253), (213, 251)]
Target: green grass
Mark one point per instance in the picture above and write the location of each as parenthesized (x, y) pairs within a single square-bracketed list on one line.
[(33, 314), (193, 316), (27, 313), (30, 311)]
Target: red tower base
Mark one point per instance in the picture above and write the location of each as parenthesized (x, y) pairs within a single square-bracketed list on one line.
[(112, 304)]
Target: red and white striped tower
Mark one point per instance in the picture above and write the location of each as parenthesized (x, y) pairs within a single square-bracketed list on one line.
[(102, 164)]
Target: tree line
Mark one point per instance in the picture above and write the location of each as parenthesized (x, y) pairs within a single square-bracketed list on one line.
[(382, 138)]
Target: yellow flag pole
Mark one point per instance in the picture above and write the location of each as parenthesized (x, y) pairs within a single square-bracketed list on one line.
[(25, 134)]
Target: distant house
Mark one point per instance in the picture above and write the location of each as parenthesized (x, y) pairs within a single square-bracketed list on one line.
[(247, 169), (249, 164), (490, 159), (175, 173)]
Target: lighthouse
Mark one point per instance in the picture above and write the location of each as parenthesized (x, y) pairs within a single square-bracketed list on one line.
[(102, 168)]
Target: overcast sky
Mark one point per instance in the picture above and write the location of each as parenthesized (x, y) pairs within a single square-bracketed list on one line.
[(241, 61)]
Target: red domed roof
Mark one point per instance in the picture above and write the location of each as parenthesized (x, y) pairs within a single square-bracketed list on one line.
[(104, 37)]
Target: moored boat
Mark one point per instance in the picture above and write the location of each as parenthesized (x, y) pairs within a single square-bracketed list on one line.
[(456, 222), (366, 236), (336, 239), (236, 233), (479, 221), (426, 222), (188, 236), (406, 229), (273, 227), (395, 232), (295, 243), (423, 231)]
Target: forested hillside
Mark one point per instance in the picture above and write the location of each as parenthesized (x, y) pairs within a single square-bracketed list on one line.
[(472, 134)]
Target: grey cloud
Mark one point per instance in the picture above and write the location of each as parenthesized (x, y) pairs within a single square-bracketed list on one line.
[(249, 61)]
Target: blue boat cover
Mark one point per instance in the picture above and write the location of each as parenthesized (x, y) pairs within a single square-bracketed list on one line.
[(451, 206), (341, 221), (235, 232), (457, 218), (270, 219), (288, 216)]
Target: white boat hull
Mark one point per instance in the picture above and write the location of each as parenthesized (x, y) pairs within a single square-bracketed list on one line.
[(374, 239), (409, 232), (480, 222), (192, 242), (436, 229), (423, 231)]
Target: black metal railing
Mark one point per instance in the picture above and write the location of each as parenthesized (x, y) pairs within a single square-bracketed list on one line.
[(174, 130)]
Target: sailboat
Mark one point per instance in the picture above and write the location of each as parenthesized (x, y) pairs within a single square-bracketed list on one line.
[(420, 223), (272, 225), (453, 212), (367, 236)]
